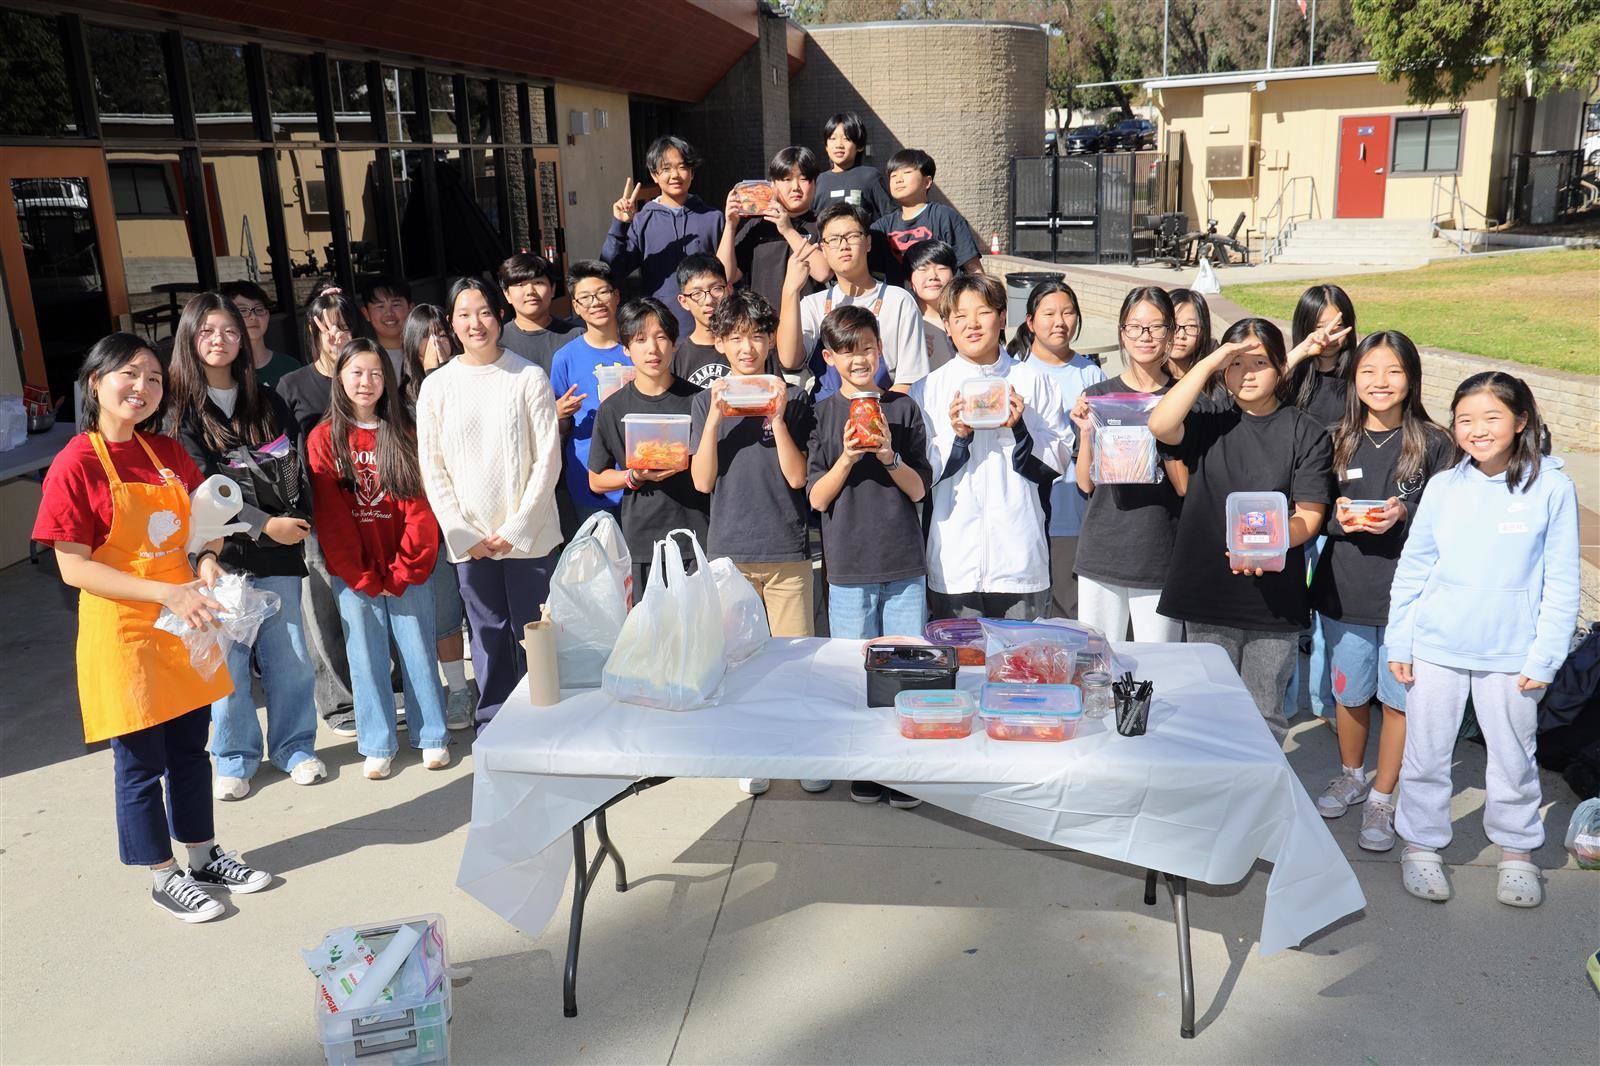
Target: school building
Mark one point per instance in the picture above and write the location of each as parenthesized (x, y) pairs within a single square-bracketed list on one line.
[(1338, 142)]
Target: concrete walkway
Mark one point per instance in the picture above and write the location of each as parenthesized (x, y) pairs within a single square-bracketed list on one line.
[(788, 928)]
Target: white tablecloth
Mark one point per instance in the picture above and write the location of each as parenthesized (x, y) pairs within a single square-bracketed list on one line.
[(1203, 795)]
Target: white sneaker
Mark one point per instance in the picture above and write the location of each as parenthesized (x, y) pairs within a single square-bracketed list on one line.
[(817, 785), (1342, 793), (308, 771), (436, 758), (377, 769), (754, 786), (230, 788)]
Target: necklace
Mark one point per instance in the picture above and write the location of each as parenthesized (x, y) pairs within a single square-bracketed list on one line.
[(1374, 441)]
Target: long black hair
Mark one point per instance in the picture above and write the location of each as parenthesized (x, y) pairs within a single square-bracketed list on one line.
[(425, 322), (1313, 302), (330, 302), (1202, 318), (1518, 398), (252, 423), (399, 472), (108, 355), (1416, 428), (1271, 338), (1021, 345)]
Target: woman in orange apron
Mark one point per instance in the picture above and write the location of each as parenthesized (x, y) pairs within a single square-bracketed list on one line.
[(116, 509)]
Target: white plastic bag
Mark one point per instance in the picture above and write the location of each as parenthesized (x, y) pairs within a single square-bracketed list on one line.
[(670, 652), (13, 422), (1205, 279), (744, 616), (244, 608), (589, 596)]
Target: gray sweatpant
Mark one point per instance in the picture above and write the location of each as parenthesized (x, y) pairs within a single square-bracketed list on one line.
[(1264, 659)]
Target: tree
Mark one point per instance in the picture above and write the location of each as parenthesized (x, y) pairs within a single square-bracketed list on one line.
[(1444, 47)]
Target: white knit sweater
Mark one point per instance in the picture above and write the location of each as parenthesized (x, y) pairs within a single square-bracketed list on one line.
[(490, 447)]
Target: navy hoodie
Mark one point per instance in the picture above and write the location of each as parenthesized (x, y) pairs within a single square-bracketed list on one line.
[(656, 241)]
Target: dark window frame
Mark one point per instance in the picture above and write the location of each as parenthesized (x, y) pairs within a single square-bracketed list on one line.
[(1428, 117), (135, 167)]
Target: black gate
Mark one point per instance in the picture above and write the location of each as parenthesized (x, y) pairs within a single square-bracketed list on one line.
[(1084, 209)]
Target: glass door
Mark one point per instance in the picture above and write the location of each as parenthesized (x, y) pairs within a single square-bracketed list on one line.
[(62, 258)]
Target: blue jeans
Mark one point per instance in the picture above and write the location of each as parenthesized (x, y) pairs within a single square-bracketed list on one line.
[(290, 684), (369, 622), (889, 608), (1358, 659)]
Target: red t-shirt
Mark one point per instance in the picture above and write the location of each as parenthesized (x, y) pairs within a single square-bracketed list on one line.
[(373, 542), (76, 505)]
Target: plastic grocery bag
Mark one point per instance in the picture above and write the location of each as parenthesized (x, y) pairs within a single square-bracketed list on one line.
[(1205, 279), (244, 608), (1583, 834), (744, 616), (13, 422), (1124, 448), (671, 651), (590, 592)]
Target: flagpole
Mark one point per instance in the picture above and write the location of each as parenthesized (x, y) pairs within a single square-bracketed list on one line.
[(1311, 51), (1272, 30), (1166, 13)]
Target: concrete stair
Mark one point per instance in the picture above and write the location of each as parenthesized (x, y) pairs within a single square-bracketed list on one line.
[(1363, 242)]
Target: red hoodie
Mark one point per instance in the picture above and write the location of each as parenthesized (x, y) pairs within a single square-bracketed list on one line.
[(373, 542)]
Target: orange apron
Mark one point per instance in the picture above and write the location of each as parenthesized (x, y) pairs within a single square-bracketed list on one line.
[(131, 675)]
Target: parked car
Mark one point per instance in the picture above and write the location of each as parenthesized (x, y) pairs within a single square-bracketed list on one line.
[(1085, 139), (1131, 135), (1049, 142), (1591, 150)]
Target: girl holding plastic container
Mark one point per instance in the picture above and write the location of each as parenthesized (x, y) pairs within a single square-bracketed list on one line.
[(230, 426), (1255, 445), (1483, 605), (1128, 529), (1384, 451), (490, 450), (115, 507), (381, 542), (1044, 340), (426, 344)]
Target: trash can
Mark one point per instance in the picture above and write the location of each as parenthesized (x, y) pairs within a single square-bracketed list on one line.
[(1018, 286)]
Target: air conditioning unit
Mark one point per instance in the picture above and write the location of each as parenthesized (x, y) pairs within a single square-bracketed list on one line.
[(1231, 162)]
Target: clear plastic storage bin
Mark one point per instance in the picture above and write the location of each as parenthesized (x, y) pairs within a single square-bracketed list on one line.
[(1258, 530), (611, 378), (1031, 712), (753, 396), (935, 715), (413, 1028), (985, 402), (656, 442)]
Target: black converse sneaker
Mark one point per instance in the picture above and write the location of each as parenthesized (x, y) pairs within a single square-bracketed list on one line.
[(225, 871), (183, 898)]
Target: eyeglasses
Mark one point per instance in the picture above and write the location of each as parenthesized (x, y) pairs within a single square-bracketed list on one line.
[(594, 299), (1133, 331), (674, 169), (1186, 331), (230, 335), (844, 239), (700, 296), (254, 311)]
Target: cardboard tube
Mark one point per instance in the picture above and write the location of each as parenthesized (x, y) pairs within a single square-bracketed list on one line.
[(544, 676)]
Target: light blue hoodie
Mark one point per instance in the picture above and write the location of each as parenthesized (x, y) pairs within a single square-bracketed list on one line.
[(1488, 579)]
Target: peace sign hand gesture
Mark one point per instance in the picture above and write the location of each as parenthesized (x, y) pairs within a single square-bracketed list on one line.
[(1326, 338), (626, 207)]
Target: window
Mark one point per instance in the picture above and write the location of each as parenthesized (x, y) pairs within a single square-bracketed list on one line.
[(36, 101), (1427, 144), (129, 72), (221, 97), (352, 113), (292, 95), (143, 190)]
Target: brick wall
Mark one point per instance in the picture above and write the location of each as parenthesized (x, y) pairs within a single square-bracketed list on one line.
[(970, 94), (744, 120)]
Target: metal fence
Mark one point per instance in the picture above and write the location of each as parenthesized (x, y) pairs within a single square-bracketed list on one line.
[(1087, 208)]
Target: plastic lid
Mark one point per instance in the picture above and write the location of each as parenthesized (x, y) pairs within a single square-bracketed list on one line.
[(753, 387), (982, 386), (935, 705), (960, 632), (657, 420), (1055, 701)]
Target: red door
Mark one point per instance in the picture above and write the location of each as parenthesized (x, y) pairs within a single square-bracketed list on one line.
[(1363, 166)]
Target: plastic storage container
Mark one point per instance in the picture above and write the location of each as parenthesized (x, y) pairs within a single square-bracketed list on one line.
[(1258, 530), (866, 421), (965, 635), (1362, 510), (754, 196), (1031, 712), (935, 715), (758, 395), (985, 402), (896, 668), (656, 442), (410, 1030), (611, 378)]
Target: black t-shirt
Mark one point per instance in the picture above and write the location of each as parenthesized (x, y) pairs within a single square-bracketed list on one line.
[(1128, 530), (1231, 451), (658, 507), (933, 222), (1354, 572), (862, 185), (538, 348), (755, 516), (873, 532), (762, 254), (1326, 404), (698, 364), (309, 393)]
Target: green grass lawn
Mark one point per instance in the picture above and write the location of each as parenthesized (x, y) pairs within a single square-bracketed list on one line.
[(1539, 308)]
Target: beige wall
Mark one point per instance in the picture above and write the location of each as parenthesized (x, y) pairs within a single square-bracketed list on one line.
[(1296, 123), (594, 167), (19, 499)]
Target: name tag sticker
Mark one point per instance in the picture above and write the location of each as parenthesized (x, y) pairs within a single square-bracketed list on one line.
[(1352, 474), (1512, 527)]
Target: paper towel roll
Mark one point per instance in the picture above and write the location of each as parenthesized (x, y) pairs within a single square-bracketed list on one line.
[(212, 508), (544, 674), (383, 969)]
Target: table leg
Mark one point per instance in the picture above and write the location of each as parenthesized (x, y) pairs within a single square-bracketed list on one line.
[(1149, 888), (608, 848), (1179, 887)]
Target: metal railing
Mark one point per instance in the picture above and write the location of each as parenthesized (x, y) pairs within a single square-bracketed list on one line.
[(1287, 209), (1447, 192)]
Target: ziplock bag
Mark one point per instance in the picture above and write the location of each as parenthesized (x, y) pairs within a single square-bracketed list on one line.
[(671, 651), (1124, 448), (744, 616), (1042, 653), (1583, 835), (589, 596), (244, 608)]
